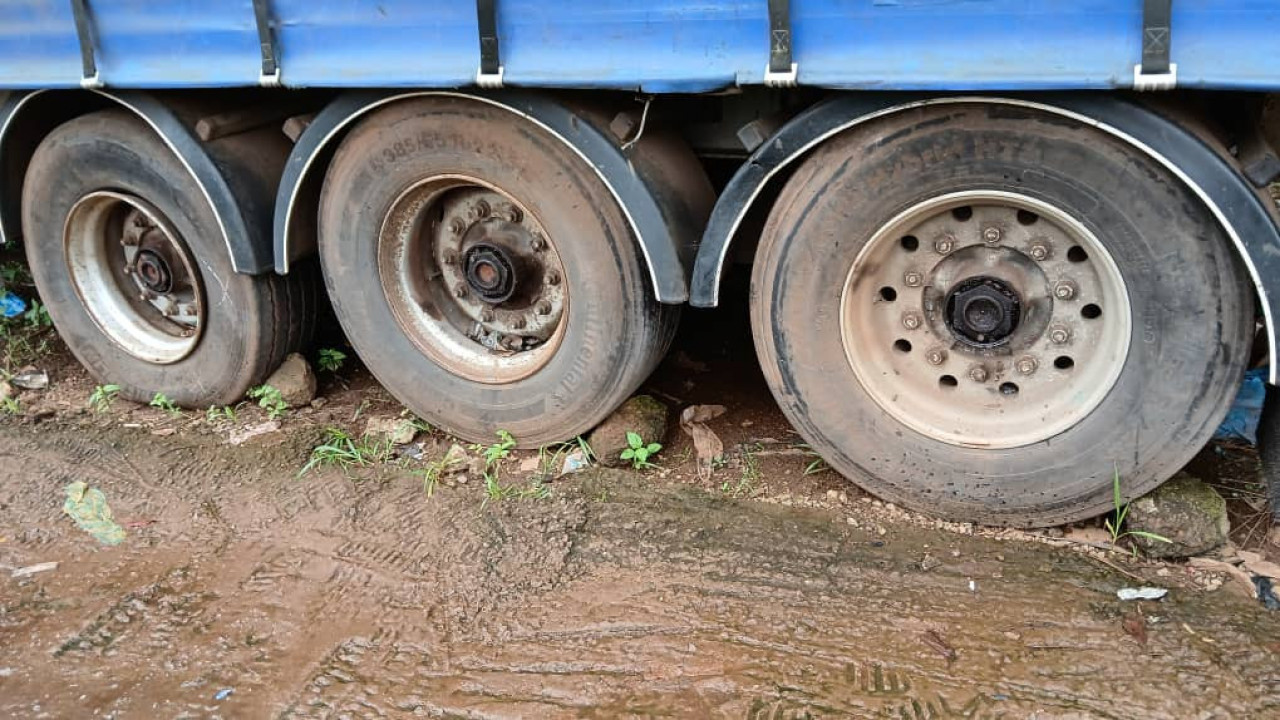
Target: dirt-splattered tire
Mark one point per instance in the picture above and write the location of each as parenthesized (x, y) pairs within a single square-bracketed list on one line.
[(984, 313), (484, 274), (130, 260)]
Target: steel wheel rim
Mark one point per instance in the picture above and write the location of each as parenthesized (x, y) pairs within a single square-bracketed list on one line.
[(917, 346), (473, 279), (134, 276)]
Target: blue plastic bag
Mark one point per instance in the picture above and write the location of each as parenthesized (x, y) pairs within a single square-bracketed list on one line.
[(1242, 419), (11, 305)]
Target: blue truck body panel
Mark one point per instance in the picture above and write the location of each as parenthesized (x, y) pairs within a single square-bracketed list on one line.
[(653, 46)]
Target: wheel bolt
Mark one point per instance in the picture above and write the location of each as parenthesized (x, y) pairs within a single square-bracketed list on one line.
[(1060, 334), (1039, 251), (450, 258), (992, 235), (1027, 365), (944, 244), (553, 278), (460, 291), (519, 323), (978, 374), (512, 342), (936, 356), (911, 320), (1064, 290), (911, 278), (512, 214), (486, 315), (481, 210), (543, 307), (457, 226)]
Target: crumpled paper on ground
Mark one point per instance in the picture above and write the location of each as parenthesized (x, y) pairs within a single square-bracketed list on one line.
[(88, 507)]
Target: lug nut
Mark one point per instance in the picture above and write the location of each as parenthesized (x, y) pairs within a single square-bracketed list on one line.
[(553, 278), (457, 226), (512, 214), (944, 244), (936, 356), (460, 291), (978, 374), (538, 243), (1060, 334), (519, 323), (992, 235), (1039, 251), (512, 342), (450, 258), (912, 278), (543, 307), (911, 320), (481, 210), (1027, 365), (486, 315), (1064, 290)]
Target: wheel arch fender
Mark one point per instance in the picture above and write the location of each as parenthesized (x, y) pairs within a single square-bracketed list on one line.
[(1236, 205), (26, 117), (666, 234)]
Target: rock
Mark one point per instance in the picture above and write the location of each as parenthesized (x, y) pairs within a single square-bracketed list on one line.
[(295, 380), (455, 461), (531, 464), (243, 435), (6, 391), (398, 430), (642, 415), (1190, 514)]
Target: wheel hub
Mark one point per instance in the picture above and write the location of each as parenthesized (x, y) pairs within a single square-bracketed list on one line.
[(490, 272), (473, 278), (985, 319), (983, 311), (134, 276), (153, 271)]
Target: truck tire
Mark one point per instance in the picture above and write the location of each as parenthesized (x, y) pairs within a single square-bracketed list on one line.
[(986, 313), (484, 274), (130, 261)]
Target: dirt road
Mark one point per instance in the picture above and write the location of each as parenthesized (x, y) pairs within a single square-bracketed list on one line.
[(619, 596)]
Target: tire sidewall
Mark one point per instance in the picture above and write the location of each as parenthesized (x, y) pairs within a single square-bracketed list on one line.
[(113, 151), (608, 305), (1188, 315)]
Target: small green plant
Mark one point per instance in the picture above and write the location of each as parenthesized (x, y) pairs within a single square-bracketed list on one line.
[(342, 450), (102, 397), (160, 401), (1115, 523), (37, 316), (9, 406), (496, 452), (816, 464), (638, 452), (217, 413), (269, 399), (14, 273), (331, 359)]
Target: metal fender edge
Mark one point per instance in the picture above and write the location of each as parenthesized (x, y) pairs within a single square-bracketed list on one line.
[(248, 248), (1235, 204), (610, 163)]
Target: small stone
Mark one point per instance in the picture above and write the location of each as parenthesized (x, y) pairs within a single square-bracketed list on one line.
[(319, 403), (530, 464), (1191, 515), (456, 461), (398, 430), (833, 495), (295, 380), (6, 391), (642, 415)]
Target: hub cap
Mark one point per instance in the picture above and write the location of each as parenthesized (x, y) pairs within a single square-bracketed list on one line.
[(473, 279), (134, 276), (985, 319)]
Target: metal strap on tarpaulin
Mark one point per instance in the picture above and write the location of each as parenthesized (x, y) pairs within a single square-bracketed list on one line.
[(490, 72), (270, 76), (781, 70), (1156, 72), (84, 33)]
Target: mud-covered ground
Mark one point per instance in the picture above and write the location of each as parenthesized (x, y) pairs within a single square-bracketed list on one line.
[(771, 589)]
